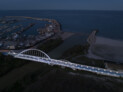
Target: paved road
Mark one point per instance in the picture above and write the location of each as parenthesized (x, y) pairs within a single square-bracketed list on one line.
[(74, 66)]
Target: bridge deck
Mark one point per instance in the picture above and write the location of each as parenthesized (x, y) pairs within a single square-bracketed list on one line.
[(74, 66)]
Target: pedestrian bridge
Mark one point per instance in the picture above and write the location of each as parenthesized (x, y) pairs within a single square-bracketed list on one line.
[(40, 56)]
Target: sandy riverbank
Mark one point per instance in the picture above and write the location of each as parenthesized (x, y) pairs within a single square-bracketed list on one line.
[(66, 35), (107, 49)]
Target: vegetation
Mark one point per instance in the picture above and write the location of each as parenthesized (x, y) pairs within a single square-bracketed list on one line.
[(75, 51), (64, 82), (28, 79), (8, 63), (50, 44), (61, 80), (76, 55), (88, 61)]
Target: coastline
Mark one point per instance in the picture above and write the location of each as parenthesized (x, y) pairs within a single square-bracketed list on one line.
[(66, 35), (107, 49), (50, 31)]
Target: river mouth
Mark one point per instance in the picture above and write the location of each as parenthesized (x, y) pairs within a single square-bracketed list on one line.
[(107, 49)]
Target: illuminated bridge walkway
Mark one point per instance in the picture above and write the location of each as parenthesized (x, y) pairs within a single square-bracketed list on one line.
[(40, 56)]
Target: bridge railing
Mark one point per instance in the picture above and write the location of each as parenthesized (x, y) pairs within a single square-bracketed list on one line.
[(69, 64)]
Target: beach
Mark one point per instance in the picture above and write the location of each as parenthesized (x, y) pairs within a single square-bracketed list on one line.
[(107, 49), (66, 35)]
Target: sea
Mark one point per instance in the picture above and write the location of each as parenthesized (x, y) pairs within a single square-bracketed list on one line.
[(109, 44)]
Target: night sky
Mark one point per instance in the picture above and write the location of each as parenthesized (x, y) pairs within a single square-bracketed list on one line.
[(61, 4)]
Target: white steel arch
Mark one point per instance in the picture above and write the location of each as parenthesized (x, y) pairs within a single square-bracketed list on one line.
[(34, 52)]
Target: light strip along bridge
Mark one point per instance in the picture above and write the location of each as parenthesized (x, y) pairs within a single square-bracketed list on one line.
[(40, 56)]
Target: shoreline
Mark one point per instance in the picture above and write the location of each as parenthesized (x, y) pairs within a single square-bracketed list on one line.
[(66, 35), (107, 49)]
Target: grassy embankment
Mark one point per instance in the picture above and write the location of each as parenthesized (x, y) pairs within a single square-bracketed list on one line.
[(76, 55), (50, 45), (61, 80)]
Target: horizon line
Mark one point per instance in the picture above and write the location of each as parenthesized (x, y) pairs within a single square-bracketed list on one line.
[(57, 9)]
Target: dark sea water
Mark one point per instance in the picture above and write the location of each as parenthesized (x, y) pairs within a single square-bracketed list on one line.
[(109, 24)]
